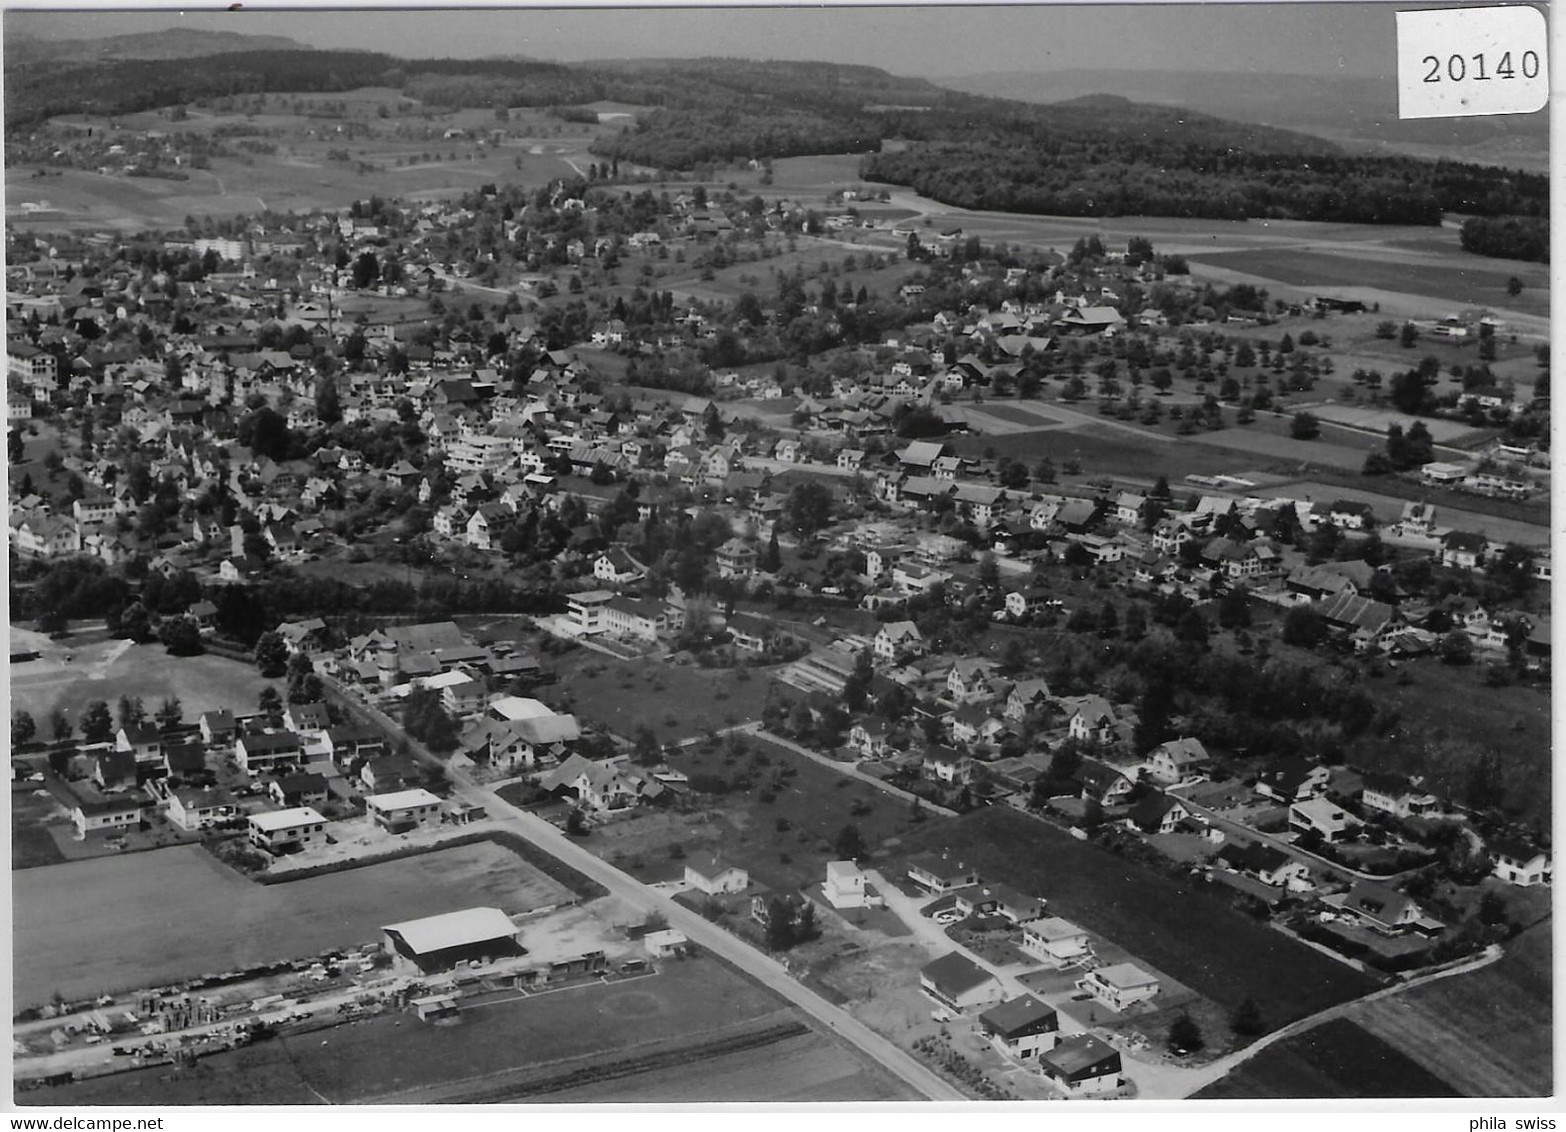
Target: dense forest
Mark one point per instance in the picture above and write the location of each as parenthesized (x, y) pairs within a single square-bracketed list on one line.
[(1509, 237)]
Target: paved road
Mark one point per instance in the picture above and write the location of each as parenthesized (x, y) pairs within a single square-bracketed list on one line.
[(849, 769), (763, 968)]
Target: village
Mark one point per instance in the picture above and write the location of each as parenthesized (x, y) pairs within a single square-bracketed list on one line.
[(445, 514)]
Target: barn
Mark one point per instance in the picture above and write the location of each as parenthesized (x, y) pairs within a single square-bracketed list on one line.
[(438, 943)]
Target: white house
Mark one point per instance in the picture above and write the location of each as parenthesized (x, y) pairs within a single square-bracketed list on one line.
[(715, 876), (403, 810), (1057, 942), (846, 887), (283, 831), (1021, 1028), (959, 984), (1120, 985), (1519, 863)]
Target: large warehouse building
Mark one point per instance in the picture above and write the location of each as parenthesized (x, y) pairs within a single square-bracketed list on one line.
[(438, 943)]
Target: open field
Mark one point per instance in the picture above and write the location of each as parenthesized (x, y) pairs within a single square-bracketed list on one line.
[(785, 843), (676, 702), (1177, 926), (1465, 281), (1336, 1060), (760, 277), (1488, 1033), (394, 1059), (1379, 419), (122, 922), (803, 1068), (202, 683), (313, 166), (1105, 451)]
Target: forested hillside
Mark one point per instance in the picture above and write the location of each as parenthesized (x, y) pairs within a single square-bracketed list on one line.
[(1094, 156)]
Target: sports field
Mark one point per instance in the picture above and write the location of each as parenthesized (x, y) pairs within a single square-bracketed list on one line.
[(144, 919), (107, 670)]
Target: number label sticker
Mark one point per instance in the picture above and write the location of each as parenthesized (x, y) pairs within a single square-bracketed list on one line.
[(1460, 62)]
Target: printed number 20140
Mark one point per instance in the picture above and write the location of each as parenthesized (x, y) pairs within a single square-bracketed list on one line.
[(1457, 69)]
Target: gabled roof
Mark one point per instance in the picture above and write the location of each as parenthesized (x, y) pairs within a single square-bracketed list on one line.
[(1024, 1014), (955, 974)]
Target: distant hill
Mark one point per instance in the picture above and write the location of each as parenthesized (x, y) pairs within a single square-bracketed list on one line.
[(173, 43), (1343, 108)]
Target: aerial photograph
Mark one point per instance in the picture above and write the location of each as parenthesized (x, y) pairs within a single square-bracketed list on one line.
[(835, 555)]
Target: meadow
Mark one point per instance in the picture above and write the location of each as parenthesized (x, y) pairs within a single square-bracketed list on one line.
[(116, 923), (1336, 1060)]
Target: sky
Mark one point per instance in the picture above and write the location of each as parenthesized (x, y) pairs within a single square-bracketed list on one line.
[(1276, 38)]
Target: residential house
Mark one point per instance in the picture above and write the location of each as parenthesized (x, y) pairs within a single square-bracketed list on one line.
[(403, 811), (1395, 795), (1102, 783), (1517, 862), (193, 809), (938, 873), (1327, 818), (1178, 760), (217, 727), (287, 831), (1292, 780), (303, 789), (388, 774), (897, 641), (846, 887), (1158, 813), (267, 751), (1463, 551), (1082, 1065), (1055, 941), (142, 741), (603, 787), (945, 765), (618, 568), (711, 874), (957, 983), (1385, 910), (1267, 864), (1027, 696), (1120, 985), (972, 680), (735, 559), (1093, 721), (1021, 1028)]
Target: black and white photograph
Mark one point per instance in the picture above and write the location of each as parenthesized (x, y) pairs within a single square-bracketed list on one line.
[(756, 555)]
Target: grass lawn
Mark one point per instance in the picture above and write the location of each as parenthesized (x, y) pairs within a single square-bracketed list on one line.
[(1337, 1059), (676, 702), (201, 683), (1488, 1033), (1176, 925), (122, 922)]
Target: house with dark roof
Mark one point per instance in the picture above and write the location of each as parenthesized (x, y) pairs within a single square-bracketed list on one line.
[(1393, 794), (1517, 862), (1386, 910), (1102, 783), (1178, 760), (959, 984), (1292, 780), (1269, 865), (1158, 813), (1021, 1027), (1082, 1065), (938, 872)]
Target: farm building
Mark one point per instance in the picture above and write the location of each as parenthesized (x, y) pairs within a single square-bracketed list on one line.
[(438, 943)]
